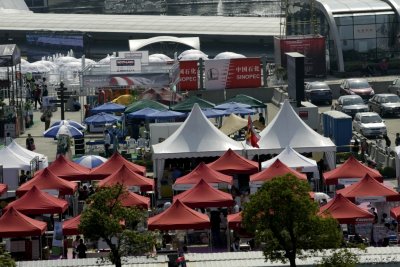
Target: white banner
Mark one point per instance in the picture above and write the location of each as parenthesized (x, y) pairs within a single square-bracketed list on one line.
[(365, 31), (216, 72), (348, 181), (142, 55), (125, 65), (371, 199)]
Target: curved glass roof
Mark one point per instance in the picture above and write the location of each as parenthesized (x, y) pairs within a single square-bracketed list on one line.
[(355, 6)]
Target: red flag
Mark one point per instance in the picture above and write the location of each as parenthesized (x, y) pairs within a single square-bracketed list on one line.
[(252, 136)]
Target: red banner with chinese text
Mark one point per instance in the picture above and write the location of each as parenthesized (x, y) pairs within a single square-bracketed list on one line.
[(244, 73), (188, 75)]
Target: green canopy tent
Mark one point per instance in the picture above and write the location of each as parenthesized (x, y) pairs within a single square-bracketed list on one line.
[(145, 103), (245, 99), (187, 104)]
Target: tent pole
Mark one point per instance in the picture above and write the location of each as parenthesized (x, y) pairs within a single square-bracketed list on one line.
[(40, 248)]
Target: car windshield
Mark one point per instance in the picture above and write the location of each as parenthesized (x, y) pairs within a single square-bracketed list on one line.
[(353, 101), (391, 99), (319, 86), (371, 119), (359, 84)]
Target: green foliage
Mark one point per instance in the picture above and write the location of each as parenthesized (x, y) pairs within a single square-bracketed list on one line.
[(5, 258), (106, 218), (388, 172), (284, 220), (340, 258)]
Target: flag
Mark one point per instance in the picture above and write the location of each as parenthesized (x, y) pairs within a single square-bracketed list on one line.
[(252, 136)]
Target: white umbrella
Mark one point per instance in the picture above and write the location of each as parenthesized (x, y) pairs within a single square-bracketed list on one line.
[(69, 130)]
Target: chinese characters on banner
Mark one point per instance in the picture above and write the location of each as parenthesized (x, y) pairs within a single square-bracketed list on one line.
[(188, 75)]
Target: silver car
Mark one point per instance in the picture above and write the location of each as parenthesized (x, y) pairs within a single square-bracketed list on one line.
[(369, 124), (385, 104), (351, 104)]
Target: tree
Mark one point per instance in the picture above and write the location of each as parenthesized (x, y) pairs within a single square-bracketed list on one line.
[(285, 222), (340, 258), (106, 218), (5, 258)]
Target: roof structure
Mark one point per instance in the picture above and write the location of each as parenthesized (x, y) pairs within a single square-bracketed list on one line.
[(113, 164), (349, 172), (3, 188), (67, 169), (278, 168), (345, 211), (127, 177), (232, 163), (15, 224), (187, 104), (23, 152), (235, 220), (70, 227), (369, 189), (9, 159), (48, 180), (205, 196), (202, 172), (179, 217), (36, 202), (134, 200)]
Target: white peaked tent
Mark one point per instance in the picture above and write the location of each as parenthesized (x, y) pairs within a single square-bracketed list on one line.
[(294, 160), (196, 137), (27, 154), (288, 129)]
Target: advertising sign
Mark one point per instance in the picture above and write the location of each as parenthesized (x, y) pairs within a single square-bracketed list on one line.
[(129, 80), (125, 65), (232, 73), (188, 75), (141, 55)]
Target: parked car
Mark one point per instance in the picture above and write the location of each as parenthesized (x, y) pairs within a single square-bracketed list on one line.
[(369, 124), (394, 88), (350, 104), (357, 86), (318, 92), (385, 104)]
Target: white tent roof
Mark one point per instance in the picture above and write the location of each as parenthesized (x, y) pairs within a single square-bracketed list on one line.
[(9, 159), (292, 159), (196, 137), (288, 129), (27, 154)]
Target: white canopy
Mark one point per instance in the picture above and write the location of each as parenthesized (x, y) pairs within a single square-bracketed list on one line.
[(288, 129), (294, 160), (10, 160), (27, 154)]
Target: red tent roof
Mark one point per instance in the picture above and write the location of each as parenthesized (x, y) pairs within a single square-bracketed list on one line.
[(126, 176), (70, 227), (395, 213), (205, 196), (369, 187), (3, 188), (350, 169), (345, 211), (278, 168), (113, 164), (235, 220), (202, 171), (36, 202), (134, 200), (48, 180), (232, 163), (179, 217), (67, 169), (16, 224)]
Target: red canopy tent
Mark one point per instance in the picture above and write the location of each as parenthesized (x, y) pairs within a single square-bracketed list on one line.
[(3, 188), (15, 224), (179, 217), (232, 163), (349, 172), (235, 220), (345, 211), (112, 165), (205, 196), (126, 176), (134, 200), (395, 213), (67, 169), (35, 202), (369, 190), (278, 168), (70, 227), (48, 180), (202, 171)]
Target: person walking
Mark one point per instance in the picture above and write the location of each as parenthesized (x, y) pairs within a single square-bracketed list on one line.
[(46, 118), (37, 94), (261, 119), (397, 140), (81, 249), (30, 143), (75, 245)]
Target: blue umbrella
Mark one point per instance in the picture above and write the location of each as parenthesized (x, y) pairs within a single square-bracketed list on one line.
[(232, 105), (108, 107), (57, 130), (141, 113), (166, 114), (102, 119), (240, 111), (69, 122), (213, 113), (90, 161)]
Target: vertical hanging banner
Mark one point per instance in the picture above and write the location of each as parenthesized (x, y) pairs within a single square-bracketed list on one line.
[(232, 73), (188, 75)]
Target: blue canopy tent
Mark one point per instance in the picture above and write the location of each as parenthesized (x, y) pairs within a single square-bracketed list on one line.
[(232, 105), (240, 111), (213, 113), (102, 119), (141, 113), (108, 107), (165, 115)]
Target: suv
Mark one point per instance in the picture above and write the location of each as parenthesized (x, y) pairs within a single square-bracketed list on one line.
[(385, 104), (318, 92), (369, 124), (394, 88), (350, 104), (357, 86)]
